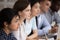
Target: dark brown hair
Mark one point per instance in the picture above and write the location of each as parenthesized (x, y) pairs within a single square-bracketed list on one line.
[(55, 5), (32, 2), (6, 15), (20, 5)]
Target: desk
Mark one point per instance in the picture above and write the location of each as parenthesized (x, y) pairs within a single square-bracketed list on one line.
[(39, 38)]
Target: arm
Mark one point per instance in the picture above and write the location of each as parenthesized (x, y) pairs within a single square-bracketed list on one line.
[(46, 25), (57, 18), (57, 21), (34, 35)]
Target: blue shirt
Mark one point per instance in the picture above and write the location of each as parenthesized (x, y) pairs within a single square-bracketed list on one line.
[(42, 22), (4, 36), (52, 16)]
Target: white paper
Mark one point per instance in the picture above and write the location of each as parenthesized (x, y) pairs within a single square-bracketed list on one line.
[(48, 39)]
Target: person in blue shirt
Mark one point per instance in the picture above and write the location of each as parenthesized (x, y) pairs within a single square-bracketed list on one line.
[(49, 10), (53, 16), (42, 23), (9, 21)]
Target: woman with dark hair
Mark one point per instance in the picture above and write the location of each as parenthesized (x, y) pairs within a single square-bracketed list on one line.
[(31, 28), (9, 21), (24, 10)]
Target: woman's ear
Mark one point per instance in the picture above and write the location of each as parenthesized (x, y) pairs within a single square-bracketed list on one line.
[(5, 24), (19, 13)]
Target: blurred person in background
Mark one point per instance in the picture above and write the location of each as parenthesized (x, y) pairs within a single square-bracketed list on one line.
[(42, 23), (52, 15)]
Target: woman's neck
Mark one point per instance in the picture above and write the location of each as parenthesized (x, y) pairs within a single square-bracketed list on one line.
[(21, 20), (7, 31), (32, 15)]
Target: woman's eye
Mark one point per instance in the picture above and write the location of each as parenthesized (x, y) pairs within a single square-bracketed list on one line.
[(17, 20)]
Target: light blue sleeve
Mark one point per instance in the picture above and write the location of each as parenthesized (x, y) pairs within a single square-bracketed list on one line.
[(57, 18), (46, 25), (34, 27)]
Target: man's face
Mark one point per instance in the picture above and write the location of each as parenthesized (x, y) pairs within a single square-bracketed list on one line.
[(45, 6)]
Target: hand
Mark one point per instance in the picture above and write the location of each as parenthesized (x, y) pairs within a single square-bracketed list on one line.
[(54, 29), (28, 38)]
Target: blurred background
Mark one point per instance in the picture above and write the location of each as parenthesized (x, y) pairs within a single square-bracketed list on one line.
[(7, 3), (10, 3)]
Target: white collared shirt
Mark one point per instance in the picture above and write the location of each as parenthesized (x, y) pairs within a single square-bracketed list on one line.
[(20, 33)]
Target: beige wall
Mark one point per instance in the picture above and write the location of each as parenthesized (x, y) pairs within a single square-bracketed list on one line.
[(7, 3)]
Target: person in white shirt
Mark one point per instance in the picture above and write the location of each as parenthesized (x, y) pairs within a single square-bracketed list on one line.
[(23, 8), (31, 23)]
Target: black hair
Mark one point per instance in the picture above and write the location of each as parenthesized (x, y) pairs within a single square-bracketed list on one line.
[(55, 5), (6, 15), (20, 5), (32, 2)]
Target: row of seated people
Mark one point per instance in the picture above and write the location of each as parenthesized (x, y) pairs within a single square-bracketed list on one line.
[(30, 20)]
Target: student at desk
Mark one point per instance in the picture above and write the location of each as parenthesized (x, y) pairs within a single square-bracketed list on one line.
[(9, 21), (23, 8), (42, 23), (50, 15), (53, 16), (31, 23)]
